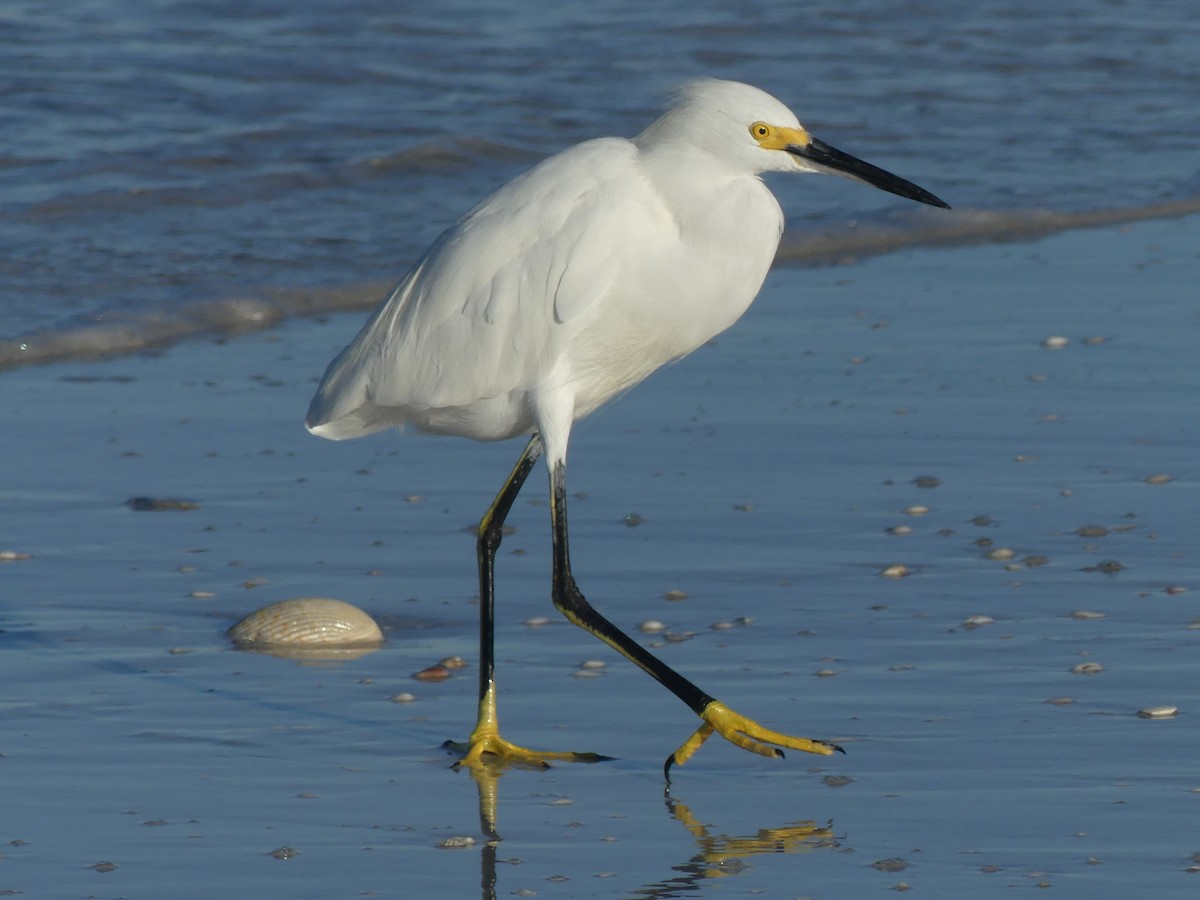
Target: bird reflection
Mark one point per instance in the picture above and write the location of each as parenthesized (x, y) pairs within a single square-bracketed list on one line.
[(722, 855), (487, 781), (716, 856)]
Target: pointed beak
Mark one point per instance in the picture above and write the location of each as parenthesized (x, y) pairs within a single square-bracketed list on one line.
[(843, 163)]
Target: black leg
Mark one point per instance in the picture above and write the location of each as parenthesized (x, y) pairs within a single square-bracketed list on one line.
[(572, 604), (485, 744), (491, 528), (715, 716)]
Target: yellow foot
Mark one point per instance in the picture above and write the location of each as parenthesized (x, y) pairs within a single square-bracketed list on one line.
[(491, 750), (744, 733)]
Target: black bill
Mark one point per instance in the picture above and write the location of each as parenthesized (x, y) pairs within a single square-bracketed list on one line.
[(831, 158)]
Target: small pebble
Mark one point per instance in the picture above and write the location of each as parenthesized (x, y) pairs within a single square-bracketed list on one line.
[(1055, 342), (1061, 701), (926, 481), (1158, 712), (916, 510), (651, 626), (105, 867), (893, 864), (895, 571), (1087, 668), (453, 662), (537, 621), (159, 504), (900, 530), (457, 842), (282, 853), (12, 556), (1093, 340), (977, 622), (202, 595), (1159, 479), (433, 673), (1175, 589), (1001, 553), (403, 697), (593, 664), (675, 595), (1087, 614), (1091, 531)]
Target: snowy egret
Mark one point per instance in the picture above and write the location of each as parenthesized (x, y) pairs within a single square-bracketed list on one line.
[(564, 288)]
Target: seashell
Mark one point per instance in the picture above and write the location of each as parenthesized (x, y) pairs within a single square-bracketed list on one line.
[(1158, 712), (310, 627)]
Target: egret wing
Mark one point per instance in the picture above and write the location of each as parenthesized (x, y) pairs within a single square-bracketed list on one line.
[(492, 304)]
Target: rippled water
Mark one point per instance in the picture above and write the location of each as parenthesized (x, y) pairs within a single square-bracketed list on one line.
[(179, 166)]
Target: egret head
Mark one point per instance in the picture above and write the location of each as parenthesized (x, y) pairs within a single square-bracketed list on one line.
[(747, 125)]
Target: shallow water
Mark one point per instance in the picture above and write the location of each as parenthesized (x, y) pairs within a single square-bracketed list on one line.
[(766, 469), (178, 167)]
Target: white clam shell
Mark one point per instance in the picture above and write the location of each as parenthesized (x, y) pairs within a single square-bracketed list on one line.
[(306, 625)]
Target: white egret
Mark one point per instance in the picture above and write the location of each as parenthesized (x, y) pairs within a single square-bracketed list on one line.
[(564, 288)]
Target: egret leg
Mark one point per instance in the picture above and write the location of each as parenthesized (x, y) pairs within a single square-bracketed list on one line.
[(485, 744), (716, 716)]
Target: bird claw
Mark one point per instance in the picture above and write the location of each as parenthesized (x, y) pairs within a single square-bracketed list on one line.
[(744, 733), (491, 751)]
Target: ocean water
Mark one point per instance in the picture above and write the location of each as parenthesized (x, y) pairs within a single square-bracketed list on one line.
[(174, 168), (189, 169)]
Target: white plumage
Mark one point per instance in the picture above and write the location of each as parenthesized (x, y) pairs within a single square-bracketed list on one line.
[(580, 277)]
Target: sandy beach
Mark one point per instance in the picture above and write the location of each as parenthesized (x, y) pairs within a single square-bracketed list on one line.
[(773, 477)]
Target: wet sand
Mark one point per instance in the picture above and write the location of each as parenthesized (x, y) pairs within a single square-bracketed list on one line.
[(767, 477)]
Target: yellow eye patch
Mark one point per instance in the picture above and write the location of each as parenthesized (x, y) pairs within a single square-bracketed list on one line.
[(775, 137)]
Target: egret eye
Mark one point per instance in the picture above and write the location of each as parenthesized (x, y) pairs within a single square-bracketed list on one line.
[(760, 131)]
